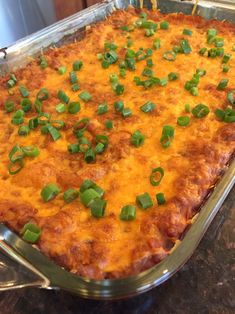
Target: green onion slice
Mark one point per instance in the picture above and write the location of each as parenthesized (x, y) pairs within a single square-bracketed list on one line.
[(222, 84), (24, 92), (31, 233), (97, 207), (70, 195), (88, 196), (15, 167), (77, 65), (43, 94), (169, 55), (102, 108), (62, 96), (31, 151), (137, 139), (53, 132), (183, 121), (160, 198), (89, 156), (16, 153), (128, 212), (200, 111), (144, 201), (23, 130), (148, 107), (9, 106), (49, 192), (231, 97), (74, 107), (85, 96), (156, 176), (60, 108)]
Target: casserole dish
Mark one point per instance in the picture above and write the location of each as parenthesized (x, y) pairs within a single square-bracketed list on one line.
[(75, 281)]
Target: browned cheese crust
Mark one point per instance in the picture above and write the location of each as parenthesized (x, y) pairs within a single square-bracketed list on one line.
[(109, 247)]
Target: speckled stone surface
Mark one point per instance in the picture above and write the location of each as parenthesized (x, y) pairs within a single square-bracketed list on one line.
[(206, 284)]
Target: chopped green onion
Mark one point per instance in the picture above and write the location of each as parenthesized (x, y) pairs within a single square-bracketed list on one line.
[(126, 112), (89, 156), (226, 58), (128, 212), (74, 107), (24, 92), (149, 32), (211, 32), (84, 144), (85, 96), (31, 151), (157, 43), (119, 106), (53, 132), (220, 114), (44, 129), (200, 111), (222, 84), (98, 207), (23, 130), (122, 73), (172, 76), (212, 53), (44, 118), (201, 72), (156, 176), (33, 123), (164, 25), (88, 196), (167, 135), (229, 115), (109, 124), (31, 233), (43, 94), (26, 104), (77, 65), (70, 195), (202, 51), (225, 68), (16, 154), (80, 126), (73, 77), (75, 87), (137, 139), (60, 108), (38, 105), (99, 148), (43, 62), (187, 108), (62, 96), (149, 62), (62, 70), (110, 46), (9, 106), (73, 148), (194, 91), (169, 55), (187, 32), (148, 107), (110, 57), (49, 192), (18, 117), (184, 44), (100, 138), (183, 121), (147, 72), (144, 201), (119, 89), (219, 42), (231, 97), (15, 167), (160, 198), (163, 81), (102, 108), (87, 184)]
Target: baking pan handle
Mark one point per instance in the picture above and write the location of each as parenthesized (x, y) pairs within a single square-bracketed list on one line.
[(16, 272)]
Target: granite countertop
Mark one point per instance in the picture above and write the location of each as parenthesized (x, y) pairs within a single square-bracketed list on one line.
[(206, 284)]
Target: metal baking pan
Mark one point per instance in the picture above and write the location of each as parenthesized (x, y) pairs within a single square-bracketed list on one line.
[(22, 265)]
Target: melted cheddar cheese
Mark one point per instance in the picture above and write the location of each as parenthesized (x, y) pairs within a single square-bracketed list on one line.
[(109, 247)]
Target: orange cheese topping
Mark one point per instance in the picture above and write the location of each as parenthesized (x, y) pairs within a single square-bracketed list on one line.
[(109, 247)]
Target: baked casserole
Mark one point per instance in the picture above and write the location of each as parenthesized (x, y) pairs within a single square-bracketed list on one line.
[(110, 145)]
